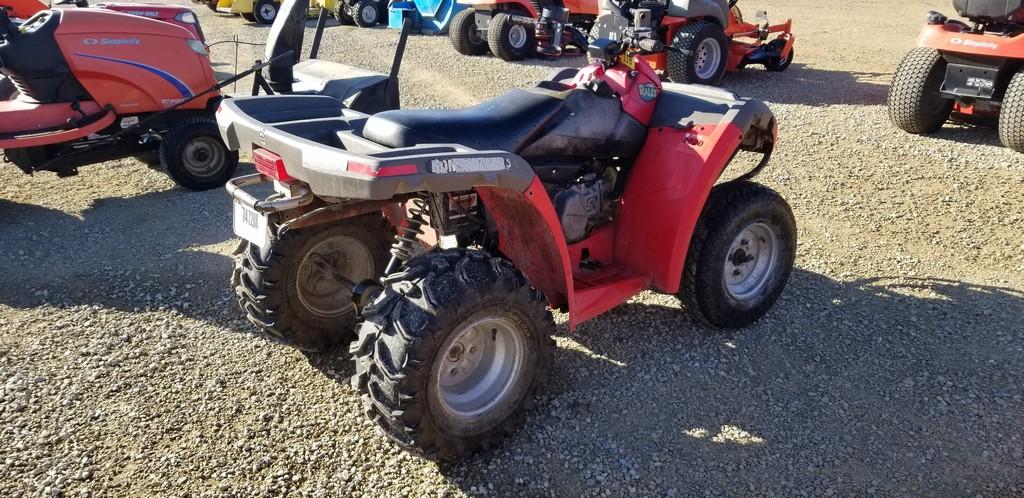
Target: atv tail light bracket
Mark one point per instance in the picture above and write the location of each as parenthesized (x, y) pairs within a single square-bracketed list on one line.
[(270, 165), (383, 171)]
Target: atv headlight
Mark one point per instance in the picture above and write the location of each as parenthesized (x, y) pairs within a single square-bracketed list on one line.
[(186, 17), (197, 47)]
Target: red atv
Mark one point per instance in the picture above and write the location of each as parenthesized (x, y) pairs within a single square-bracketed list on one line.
[(972, 72), (576, 194), (705, 38)]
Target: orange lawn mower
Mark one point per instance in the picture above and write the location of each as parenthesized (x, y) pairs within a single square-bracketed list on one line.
[(704, 38), (516, 29)]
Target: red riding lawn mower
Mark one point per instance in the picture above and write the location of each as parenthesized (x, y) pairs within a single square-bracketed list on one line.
[(516, 29), (576, 194), (20, 10), (704, 38), (972, 73)]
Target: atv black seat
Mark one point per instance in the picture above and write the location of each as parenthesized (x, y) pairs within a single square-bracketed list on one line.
[(35, 64), (990, 10), (507, 122)]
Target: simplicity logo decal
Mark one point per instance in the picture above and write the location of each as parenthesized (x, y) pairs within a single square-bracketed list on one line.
[(120, 42)]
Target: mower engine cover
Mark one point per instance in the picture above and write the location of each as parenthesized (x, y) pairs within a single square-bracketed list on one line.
[(694, 9), (990, 10)]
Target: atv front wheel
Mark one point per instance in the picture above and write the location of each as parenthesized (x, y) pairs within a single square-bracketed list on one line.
[(915, 104), (465, 36), (703, 51), (265, 11), (781, 64), (452, 353), (509, 38), (194, 155), (365, 13), (1011, 117), (741, 255), (289, 291)]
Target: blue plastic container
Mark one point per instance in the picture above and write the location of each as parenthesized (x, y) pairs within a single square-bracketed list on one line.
[(428, 16)]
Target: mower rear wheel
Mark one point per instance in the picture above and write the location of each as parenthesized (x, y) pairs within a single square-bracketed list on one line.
[(194, 155), (365, 13), (1011, 117), (451, 353), (465, 36), (915, 104), (702, 55), (741, 255), (248, 16), (289, 291), (509, 38), (265, 11), (780, 65)]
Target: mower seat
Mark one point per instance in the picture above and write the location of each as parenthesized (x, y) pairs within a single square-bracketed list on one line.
[(507, 122), (989, 10), (355, 87)]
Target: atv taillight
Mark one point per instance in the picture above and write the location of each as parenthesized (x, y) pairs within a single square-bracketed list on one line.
[(270, 164)]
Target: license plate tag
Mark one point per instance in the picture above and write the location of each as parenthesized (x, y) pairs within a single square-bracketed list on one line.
[(251, 225)]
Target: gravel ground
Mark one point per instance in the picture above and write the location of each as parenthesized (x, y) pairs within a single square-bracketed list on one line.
[(892, 365)]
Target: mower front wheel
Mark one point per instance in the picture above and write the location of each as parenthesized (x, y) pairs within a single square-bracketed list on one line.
[(194, 155), (1011, 117), (510, 38), (452, 353), (289, 290), (915, 103), (265, 11), (465, 36), (365, 13), (781, 64), (702, 51), (740, 256)]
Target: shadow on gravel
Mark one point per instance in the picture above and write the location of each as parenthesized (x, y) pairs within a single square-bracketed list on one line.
[(802, 84), (888, 386), (969, 134), (126, 253)]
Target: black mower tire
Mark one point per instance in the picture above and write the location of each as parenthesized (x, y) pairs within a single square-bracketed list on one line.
[(681, 65), (1011, 117), (248, 16), (265, 19), (265, 282), (465, 36), (499, 31), (7, 89), (212, 5), (778, 66), (341, 14), (360, 12), (151, 158), (197, 139), (915, 104), (412, 325), (732, 209)]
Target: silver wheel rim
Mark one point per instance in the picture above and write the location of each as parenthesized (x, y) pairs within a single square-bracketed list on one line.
[(707, 59), (751, 261), (316, 283), (268, 11), (517, 36), (480, 366), (203, 157), (369, 14)]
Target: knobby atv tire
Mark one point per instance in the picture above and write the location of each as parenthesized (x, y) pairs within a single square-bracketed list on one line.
[(730, 208), (265, 283), (404, 334), (174, 146), (680, 66), (498, 32), (1011, 117), (257, 11), (356, 13), (915, 104), (465, 36)]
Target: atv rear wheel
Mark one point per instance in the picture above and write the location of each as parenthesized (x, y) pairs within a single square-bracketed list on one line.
[(509, 38), (265, 11), (465, 36), (741, 255), (194, 155), (915, 104), (781, 64), (365, 13), (1011, 117), (288, 290), (452, 353), (702, 55)]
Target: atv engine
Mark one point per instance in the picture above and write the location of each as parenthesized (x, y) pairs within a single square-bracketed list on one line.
[(585, 203)]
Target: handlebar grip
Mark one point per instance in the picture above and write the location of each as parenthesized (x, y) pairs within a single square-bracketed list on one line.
[(650, 45)]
